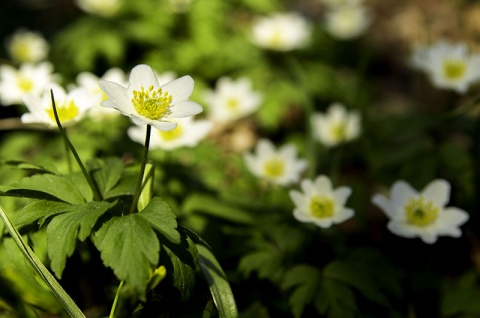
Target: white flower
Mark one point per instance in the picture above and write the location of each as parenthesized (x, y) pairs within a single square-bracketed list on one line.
[(188, 133), (148, 103), (27, 46), (320, 203), (279, 167), (89, 82), (28, 79), (423, 214), (347, 22), (281, 32), (449, 66), (232, 99), (103, 8), (336, 126), (71, 107), (179, 6)]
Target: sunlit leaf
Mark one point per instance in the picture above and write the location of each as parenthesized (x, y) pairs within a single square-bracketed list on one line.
[(161, 217)]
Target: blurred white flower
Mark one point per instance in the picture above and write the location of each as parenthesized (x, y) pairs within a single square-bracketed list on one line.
[(336, 126), (103, 8), (280, 166), (89, 82), (71, 106), (281, 32), (147, 102), (423, 214), (27, 46), (347, 22), (188, 133), (28, 79), (449, 66), (232, 99), (320, 204)]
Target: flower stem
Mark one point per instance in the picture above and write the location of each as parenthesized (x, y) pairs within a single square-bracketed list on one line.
[(138, 188), (91, 182), (115, 301)]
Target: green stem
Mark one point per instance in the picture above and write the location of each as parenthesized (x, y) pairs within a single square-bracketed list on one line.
[(91, 182), (115, 301), (67, 156), (138, 188), (52, 283)]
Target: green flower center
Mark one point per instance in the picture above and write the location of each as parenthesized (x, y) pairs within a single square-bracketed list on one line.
[(454, 69), (66, 112), (172, 134), (420, 212), (273, 167), (322, 206), (150, 103), (25, 84)]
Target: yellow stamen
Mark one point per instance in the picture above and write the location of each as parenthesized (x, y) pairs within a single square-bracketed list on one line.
[(172, 134), (233, 104), (66, 111), (420, 212), (338, 131), (454, 69), (25, 84), (150, 103), (322, 206), (273, 167)]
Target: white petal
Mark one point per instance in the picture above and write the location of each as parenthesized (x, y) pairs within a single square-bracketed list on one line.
[(142, 76), (401, 192), (342, 215), (341, 195), (297, 198), (265, 148), (118, 95), (184, 109), (453, 217), (402, 229), (323, 184), (163, 125), (383, 203), (180, 89), (428, 237), (301, 216), (437, 191)]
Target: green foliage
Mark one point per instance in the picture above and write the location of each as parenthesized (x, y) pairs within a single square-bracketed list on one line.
[(306, 280), (461, 296), (217, 280), (129, 246)]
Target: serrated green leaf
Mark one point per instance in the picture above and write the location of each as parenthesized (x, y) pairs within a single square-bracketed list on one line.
[(335, 299), (212, 206), (217, 280), (40, 210), (63, 230), (78, 179), (183, 260), (306, 280), (106, 173), (125, 186), (129, 246), (267, 264), (161, 217), (45, 185), (348, 273)]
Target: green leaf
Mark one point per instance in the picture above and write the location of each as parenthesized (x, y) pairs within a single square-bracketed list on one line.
[(335, 299), (31, 167), (212, 206), (266, 262), (40, 210), (45, 186), (161, 217), (125, 186), (130, 247), (63, 230), (306, 280), (56, 288), (182, 266), (348, 273), (217, 280), (460, 298), (106, 173)]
